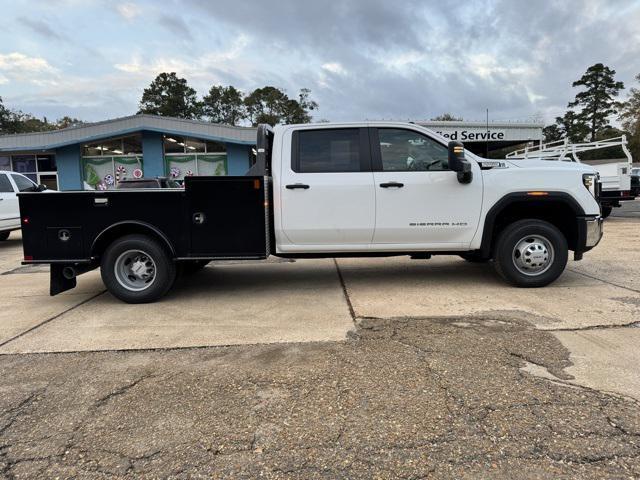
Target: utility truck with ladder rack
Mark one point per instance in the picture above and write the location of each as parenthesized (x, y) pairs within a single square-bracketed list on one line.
[(327, 190)]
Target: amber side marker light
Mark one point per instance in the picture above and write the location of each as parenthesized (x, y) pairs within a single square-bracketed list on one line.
[(538, 194)]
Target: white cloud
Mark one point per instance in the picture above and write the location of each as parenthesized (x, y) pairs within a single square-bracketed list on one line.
[(129, 11), (334, 67), (22, 68), (194, 68)]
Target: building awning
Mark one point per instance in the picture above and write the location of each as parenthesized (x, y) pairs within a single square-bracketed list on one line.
[(92, 132)]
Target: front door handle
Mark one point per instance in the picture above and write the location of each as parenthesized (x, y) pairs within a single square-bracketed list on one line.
[(392, 185), (297, 185)]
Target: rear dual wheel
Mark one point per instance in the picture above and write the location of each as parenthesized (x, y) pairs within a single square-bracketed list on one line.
[(137, 269), (4, 236)]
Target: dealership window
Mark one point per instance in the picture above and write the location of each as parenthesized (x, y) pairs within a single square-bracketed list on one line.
[(189, 156), (39, 168), (107, 162)]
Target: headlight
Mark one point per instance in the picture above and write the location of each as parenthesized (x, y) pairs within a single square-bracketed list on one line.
[(591, 182)]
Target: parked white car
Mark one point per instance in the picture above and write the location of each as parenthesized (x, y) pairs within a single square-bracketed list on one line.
[(10, 184)]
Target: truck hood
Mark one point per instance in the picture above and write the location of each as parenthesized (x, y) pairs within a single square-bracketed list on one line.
[(551, 164)]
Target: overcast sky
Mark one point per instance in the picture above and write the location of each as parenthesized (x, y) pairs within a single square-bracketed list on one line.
[(362, 59)]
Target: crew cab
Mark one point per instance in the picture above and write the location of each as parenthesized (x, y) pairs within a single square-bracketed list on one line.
[(325, 190), (10, 184)]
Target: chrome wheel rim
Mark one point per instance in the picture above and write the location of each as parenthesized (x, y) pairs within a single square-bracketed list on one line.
[(135, 270), (533, 255)]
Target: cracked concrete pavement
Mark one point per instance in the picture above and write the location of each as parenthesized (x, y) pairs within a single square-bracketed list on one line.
[(394, 368), (413, 398)]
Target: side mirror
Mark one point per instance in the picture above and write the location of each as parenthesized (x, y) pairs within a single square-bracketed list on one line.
[(41, 188), (458, 163)]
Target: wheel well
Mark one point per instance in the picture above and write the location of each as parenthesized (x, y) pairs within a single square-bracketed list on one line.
[(108, 236), (557, 212)]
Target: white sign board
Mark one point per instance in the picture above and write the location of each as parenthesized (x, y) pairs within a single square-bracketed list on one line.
[(475, 132)]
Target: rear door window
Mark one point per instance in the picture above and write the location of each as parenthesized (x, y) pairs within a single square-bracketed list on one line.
[(5, 184), (330, 150)]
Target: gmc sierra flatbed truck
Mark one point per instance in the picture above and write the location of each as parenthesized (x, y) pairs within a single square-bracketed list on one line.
[(327, 190)]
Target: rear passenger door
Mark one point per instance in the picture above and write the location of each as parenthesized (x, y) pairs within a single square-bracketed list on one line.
[(326, 189), (9, 210)]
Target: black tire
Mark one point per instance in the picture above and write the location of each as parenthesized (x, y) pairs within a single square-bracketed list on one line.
[(606, 211), (474, 257), (164, 271), (4, 236), (540, 240)]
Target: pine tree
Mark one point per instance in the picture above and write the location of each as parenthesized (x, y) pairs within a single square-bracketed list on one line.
[(170, 96), (598, 99), (224, 105)]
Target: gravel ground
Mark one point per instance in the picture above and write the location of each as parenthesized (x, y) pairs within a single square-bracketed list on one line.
[(404, 398)]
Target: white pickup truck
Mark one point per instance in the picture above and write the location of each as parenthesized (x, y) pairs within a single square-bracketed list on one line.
[(10, 184), (326, 190)]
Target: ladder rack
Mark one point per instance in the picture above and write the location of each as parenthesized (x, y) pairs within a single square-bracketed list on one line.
[(563, 150)]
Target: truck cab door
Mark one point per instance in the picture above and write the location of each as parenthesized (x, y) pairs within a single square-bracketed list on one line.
[(9, 210), (419, 201), (327, 199)]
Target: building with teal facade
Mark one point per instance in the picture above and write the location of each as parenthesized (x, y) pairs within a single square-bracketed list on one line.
[(98, 155)]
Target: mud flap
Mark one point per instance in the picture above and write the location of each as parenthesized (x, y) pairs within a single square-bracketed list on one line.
[(58, 283)]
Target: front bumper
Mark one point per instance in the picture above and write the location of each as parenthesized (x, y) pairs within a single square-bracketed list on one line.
[(590, 230), (594, 231)]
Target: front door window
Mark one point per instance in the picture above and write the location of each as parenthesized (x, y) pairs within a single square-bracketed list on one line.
[(409, 151)]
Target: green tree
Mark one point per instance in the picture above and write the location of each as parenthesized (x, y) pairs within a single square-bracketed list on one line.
[(597, 101), (446, 117), (170, 96), (630, 118), (265, 105), (224, 105), (572, 126), (552, 133), (299, 111), (5, 118), (68, 122), (272, 105)]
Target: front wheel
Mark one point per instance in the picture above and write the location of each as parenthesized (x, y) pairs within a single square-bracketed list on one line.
[(4, 236), (606, 211), (136, 269), (531, 253)]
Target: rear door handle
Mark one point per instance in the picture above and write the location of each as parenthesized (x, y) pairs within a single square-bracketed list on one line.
[(297, 185), (392, 185)]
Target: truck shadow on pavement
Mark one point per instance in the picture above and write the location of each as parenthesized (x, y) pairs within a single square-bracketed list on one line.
[(301, 275)]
